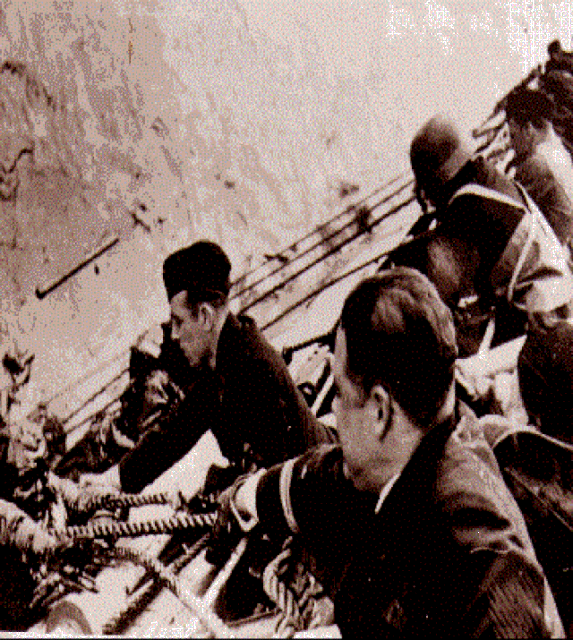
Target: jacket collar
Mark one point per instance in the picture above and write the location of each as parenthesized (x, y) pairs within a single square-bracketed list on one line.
[(408, 501)]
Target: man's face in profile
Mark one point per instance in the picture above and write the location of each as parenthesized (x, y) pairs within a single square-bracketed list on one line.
[(356, 416), (192, 333)]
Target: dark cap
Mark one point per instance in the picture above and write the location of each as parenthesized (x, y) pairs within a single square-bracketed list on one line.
[(202, 270)]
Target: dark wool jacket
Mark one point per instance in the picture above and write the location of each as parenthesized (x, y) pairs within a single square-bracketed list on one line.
[(249, 402), (447, 554)]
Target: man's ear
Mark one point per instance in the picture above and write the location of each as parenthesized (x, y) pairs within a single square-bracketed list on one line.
[(533, 134), (207, 316), (383, 406)]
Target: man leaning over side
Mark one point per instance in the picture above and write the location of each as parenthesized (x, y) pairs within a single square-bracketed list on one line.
[(493, 251), (241, 388), (412, 530)]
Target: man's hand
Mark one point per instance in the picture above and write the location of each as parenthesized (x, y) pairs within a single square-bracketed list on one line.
[(31, 537), (226, 533), (236, 517), (94, 486), (217, 479), (179, 497), (108, 479)]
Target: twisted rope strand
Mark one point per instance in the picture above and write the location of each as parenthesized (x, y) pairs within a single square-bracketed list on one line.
[(282, 596), (180, 589), (108, 501), (304, 606), (141, 596), (178, 522)]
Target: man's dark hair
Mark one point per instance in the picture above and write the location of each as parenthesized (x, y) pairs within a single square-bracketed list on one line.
[(202, 270), (554, 47), (526, 105), (400, 334)]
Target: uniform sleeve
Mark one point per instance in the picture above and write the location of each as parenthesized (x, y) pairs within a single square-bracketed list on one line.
[(170, 439), (284, 426), (295, 496), (310, 432), (513, 601)]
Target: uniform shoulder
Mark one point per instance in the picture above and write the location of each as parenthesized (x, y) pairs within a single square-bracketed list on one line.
[(478, 508), (463, 473), (253, 341)]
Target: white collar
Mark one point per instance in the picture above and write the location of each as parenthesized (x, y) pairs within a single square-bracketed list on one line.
[(385, 491)]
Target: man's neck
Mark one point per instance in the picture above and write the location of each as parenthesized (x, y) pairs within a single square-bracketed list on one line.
[(220, 323), (404, 438), (542, 136)]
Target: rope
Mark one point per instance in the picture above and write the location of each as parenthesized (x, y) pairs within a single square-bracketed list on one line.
[(120, 500), (304, 604), (179, 588), (282, 596), (178, 564), (180, 521), (148, 589)]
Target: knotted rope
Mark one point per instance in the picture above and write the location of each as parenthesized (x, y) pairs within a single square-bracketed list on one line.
[(282, 596)]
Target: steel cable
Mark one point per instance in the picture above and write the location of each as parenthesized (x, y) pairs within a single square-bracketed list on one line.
[(334, 249), (330, 283), (324, 239)]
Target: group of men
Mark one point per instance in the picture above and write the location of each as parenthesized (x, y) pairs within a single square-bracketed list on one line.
[(404, 510)]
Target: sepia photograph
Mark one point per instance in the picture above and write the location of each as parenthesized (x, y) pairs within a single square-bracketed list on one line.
[(286, 291)]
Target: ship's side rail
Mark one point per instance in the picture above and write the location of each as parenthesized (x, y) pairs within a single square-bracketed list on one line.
[(276, 285), (279, 291)]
